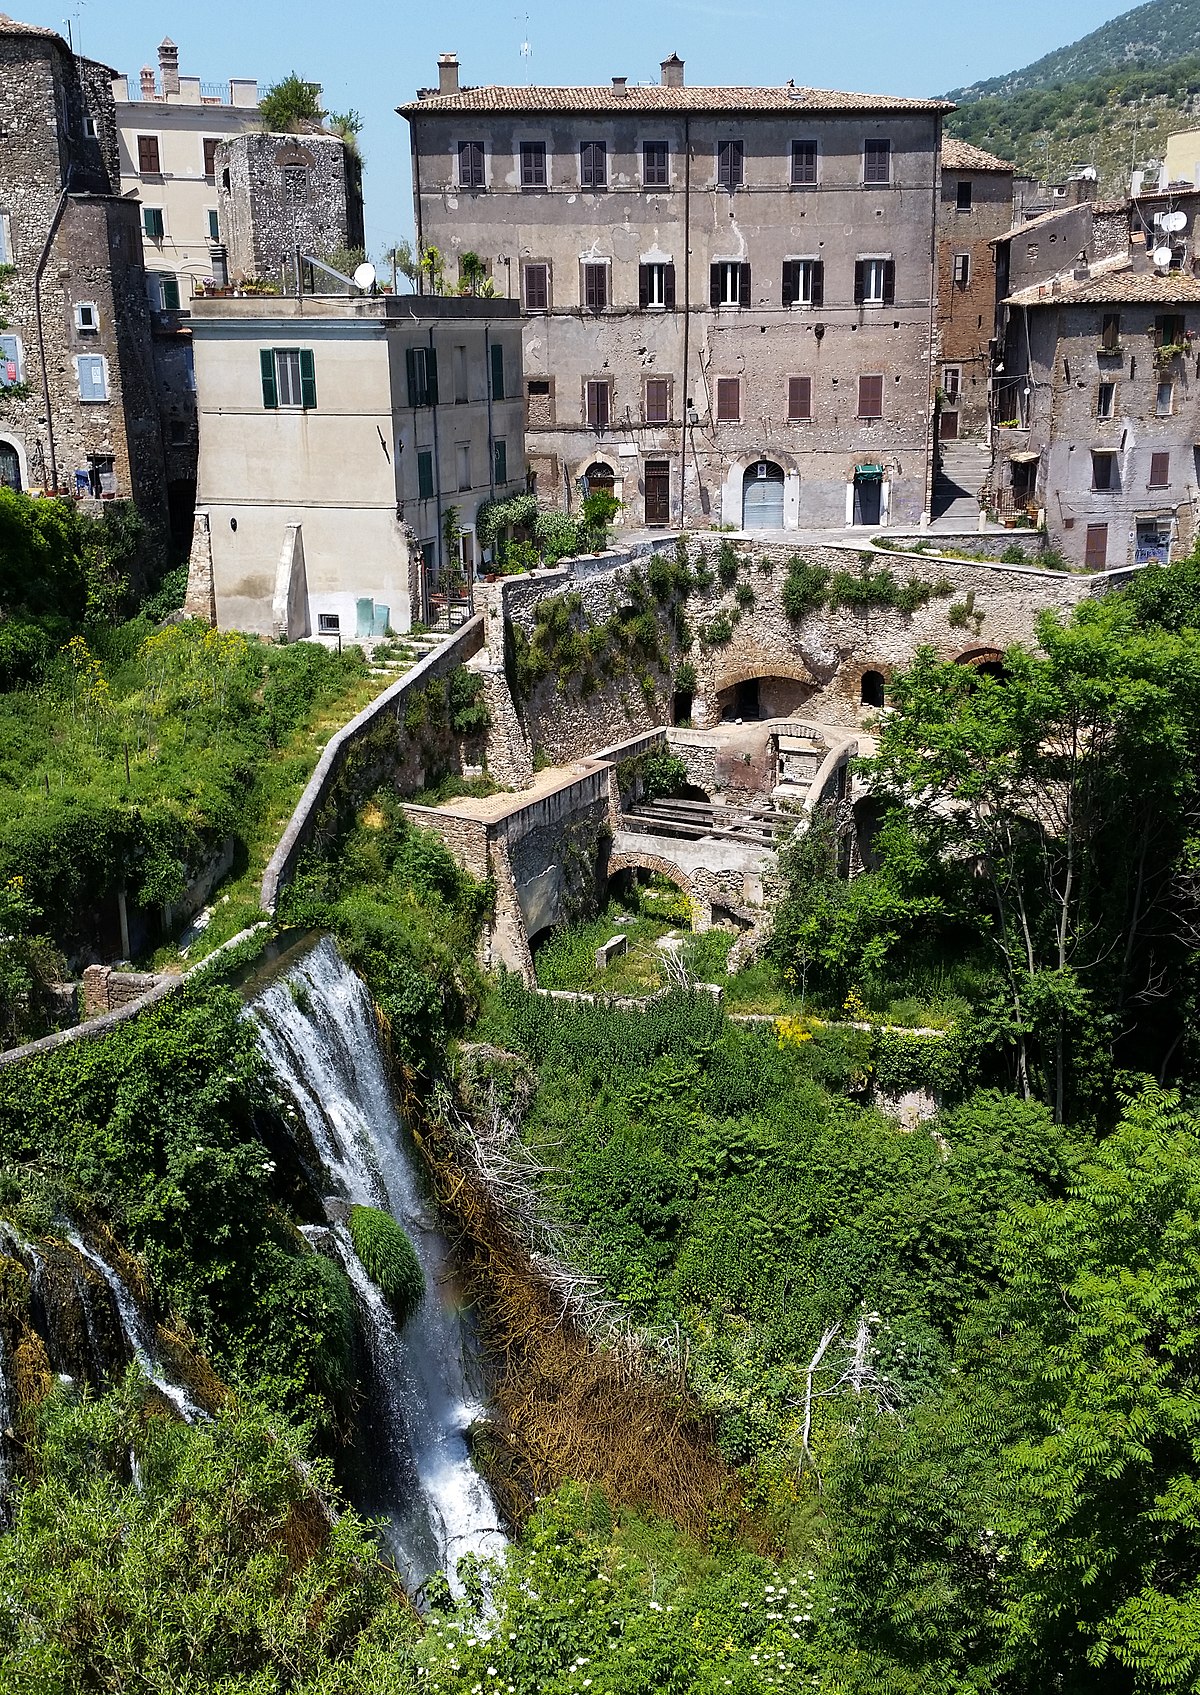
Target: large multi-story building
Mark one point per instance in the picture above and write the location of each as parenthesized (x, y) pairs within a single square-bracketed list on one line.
[(80, 414), (170, 129), (976, 211), (728, 294)]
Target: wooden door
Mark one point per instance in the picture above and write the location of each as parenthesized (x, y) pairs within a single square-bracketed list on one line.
[(948, 425), (658, 492), (1095, 555)]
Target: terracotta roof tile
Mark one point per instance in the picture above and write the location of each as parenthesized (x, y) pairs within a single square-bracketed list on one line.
[(1144, 287), (655, 98), (961, 156), (13, 26)]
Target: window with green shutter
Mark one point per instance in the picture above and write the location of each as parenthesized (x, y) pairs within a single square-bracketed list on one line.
[(497, 371), (424, 475), (421, 366), (308, 379), (500, 455), (266, 365)]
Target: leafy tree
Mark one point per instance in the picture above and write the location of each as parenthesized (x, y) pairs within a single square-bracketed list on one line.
[(291, 103)]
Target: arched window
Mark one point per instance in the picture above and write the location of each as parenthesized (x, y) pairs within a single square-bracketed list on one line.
[(600, 478), (871, 689)]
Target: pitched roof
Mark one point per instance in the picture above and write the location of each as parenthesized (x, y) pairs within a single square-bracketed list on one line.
[(655, 98), (961, 156), (13, 26), (1135, 287)]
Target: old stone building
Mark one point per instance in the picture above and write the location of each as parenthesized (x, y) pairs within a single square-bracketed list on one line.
[(976, 210), (728, 293), (346, 445), (277, 193)]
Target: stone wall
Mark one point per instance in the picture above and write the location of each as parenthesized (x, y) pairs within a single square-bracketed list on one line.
[(105, 988), (280, 192)]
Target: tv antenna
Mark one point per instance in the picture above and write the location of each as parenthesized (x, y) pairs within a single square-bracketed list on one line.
[(526, 48)]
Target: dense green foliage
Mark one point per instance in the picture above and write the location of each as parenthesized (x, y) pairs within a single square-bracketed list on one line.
[(1155, 33), (291, 103), (388, 1259)]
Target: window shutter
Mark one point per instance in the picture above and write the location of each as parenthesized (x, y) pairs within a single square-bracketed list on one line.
[(669, 287), (414, 383), (714, 285), (266, 366), (735, 163), (1160, 470), (791, 282), (497, 371), (743, 283), (431, 377), (799, 397), (643, 286), (889, 282), (308, 379), (870, 397), (818, 282), (860, 281), (500, 452)]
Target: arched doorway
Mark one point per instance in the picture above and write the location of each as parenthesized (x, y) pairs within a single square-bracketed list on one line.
[(10, 466), (762, 496), (871, 688), (985, 662), (600, 479)]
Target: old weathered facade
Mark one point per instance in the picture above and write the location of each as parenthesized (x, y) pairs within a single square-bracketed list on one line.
[(76, 359), (277, 193), (346, 445), (976, 210), (728, 293)]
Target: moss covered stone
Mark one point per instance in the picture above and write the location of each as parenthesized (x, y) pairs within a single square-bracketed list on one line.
[(388, 1258)]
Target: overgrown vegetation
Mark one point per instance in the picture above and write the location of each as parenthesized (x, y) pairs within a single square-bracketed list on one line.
[(388, 1259)]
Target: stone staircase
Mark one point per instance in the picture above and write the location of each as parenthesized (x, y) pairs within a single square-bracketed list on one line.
[(963, 468)]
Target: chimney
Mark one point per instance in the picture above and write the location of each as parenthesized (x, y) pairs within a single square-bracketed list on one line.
[(168, 65), (447, 73), (146, 79), (620, 91), (672, 72)]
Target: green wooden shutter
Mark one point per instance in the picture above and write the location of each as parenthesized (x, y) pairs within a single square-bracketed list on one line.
[(500, 455), (497, 371), (431, 380), (410, 364), (266, 365), (308, 380)]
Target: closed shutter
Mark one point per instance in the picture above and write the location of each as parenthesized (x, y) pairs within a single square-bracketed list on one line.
[(791, 281), (714, 285), (818, 282), (669, 287), (643, 286), (729, 400), (870, 397), (266, 366), (497, 371), (1095, 555), (743, 285), (595, 287), (799, 398), (500, 451), (431, 377), (860, 281), (424, 475), (537, 288), (414, 381), (308, 379), (1160, 470), (889, 282), (729, 164)]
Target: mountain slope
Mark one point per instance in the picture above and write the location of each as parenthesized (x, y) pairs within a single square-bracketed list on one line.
[(1155, 34)]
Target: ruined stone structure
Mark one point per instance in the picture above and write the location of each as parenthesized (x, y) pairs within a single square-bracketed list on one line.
[(77, 353), (729, 293), (277, 193)]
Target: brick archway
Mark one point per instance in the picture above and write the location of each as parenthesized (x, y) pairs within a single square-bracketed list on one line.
[(976, 656), (653, 862)]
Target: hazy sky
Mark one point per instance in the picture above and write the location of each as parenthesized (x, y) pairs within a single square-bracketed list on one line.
[(372, 56)]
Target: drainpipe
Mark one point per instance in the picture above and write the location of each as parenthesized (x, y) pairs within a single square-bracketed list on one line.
[(437, 466), (930, 409), (38, 274), (687, 298), (487, 380)]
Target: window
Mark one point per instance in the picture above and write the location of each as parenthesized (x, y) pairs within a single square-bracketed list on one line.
[(804, 163), (952, 383), (1160, 470), (329, 624), (92, 373), (870, 397), (421, 363), (593, 164), (10, 361), (962, 270), (87, 317), (462, 453), (89, 129), (295, 184), (1168, 329), (497, 358), (1106, 400), (731, 164), (148, 159), (1164, 400), (461, 392), (656, 287), (803, 282), (537, 288), (658, 400), (1096, 547), (877, 161), (539, 400), (1105, 475), (656, 164), (597, 402), (1110, 331), (152, 222), (500, 461), (595, 287), (729, 283), (729, 400), (424, 474), (533, 164), (288, 378), (168, 293), (214, 228), (470, 164), (962, 195), (799, 400), (875, 282), (5, 240), (210, 145)]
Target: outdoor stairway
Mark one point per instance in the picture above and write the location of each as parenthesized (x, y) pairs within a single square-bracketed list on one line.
[(963, 467)]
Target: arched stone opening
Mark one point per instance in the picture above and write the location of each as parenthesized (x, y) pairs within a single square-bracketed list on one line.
[(775, 690), (13, 471), (871, 688), (985, 662), (762, 495)]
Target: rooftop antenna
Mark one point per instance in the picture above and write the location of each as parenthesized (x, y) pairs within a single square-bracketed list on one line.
[(526, 45)]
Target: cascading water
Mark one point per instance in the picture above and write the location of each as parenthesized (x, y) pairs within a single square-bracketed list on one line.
[(319, 1034), (138, 1333)]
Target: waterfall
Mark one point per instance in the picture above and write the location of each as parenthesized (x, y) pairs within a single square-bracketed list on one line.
[(319, 1034), (138, 1333)]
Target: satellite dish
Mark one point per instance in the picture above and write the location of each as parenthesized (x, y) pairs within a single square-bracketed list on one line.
[(364, 276), (1174, 222), (1161, 257)]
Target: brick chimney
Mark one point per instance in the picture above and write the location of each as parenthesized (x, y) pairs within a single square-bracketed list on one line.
[(620, 88), (447, 73), (672, 72), (168, 65), (146, 79)]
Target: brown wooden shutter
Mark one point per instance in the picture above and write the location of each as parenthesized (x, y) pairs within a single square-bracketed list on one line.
[(743, 284), (889, 282), (643, 286), (1095, 555), (1160, 470), (860, 281), (148, 161), (537, 288), (669, 287), (729, 397), (714, 285), (791, 281), (870, 397), (799, 398), (818, 282)]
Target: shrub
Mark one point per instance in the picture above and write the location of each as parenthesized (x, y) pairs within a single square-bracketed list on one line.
[(804, 590), (718, 631), (555, 536), (744, 596), (1014, 555), (685, 677), (388, 1258), (727, 565)]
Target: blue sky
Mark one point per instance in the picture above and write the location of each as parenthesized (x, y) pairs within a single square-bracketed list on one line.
[(371, 55)]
